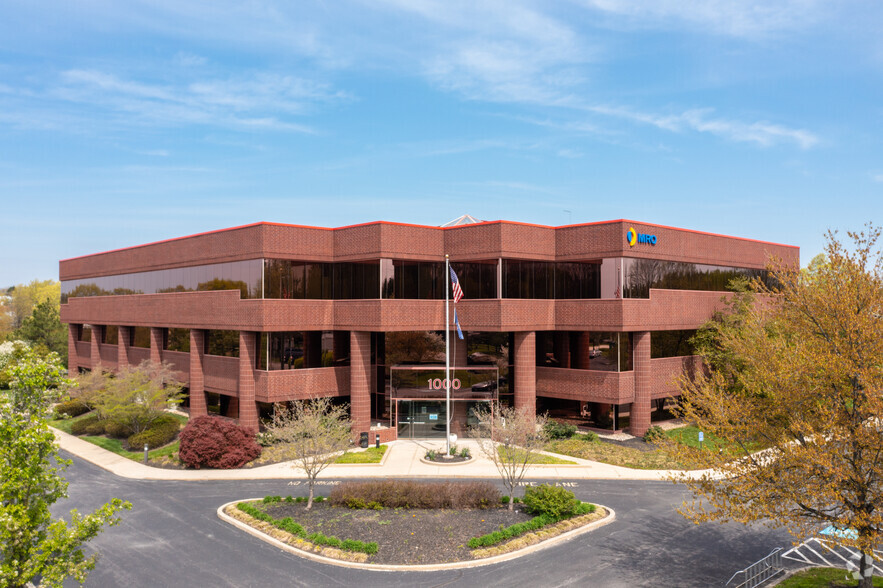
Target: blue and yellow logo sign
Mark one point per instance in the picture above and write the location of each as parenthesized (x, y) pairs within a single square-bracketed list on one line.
[(634, 237)]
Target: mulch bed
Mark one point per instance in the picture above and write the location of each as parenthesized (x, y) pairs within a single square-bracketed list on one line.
[(403, 536)]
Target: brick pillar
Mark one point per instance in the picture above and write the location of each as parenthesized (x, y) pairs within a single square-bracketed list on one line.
[(341, 346), (94, 349), (581, 359), (157, 338), (526, 371), (73, 367), (198, 404), (248, 409), (360, 381), (124, 340), (640, 413), (312, 349), (458, 350), (562, 348)]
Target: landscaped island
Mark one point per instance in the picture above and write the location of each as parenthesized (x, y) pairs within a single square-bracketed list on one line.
[(411, 523)]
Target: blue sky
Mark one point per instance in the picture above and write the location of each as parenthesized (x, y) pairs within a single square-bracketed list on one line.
[(128, 122)]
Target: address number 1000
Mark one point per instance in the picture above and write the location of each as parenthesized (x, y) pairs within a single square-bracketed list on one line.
[(439, 384)]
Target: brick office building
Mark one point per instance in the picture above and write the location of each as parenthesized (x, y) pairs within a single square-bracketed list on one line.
[(590, 321)]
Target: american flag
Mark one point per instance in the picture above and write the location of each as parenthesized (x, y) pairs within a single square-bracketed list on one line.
[(457, 290)]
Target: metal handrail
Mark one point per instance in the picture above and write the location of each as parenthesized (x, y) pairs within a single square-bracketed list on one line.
[(756, 573)]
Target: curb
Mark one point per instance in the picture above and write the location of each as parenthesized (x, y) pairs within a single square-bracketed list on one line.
[(551, 542)]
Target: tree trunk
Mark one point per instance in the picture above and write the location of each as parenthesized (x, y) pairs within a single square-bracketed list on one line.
[(310, 499), (866, 571), (512, 500)]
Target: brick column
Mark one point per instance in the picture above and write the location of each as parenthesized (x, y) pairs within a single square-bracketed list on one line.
[(157, 336), (562, 348), (94, 349), (526, 371), (312, 349), (248, 410), (198, 405), (580, 359), (124, 340), (73, 366), (341, 346), (640, 413), (458, 350), (360, 381)]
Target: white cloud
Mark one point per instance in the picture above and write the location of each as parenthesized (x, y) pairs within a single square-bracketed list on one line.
[(740, 18), (877, 177), (255, 102), (761, 133)]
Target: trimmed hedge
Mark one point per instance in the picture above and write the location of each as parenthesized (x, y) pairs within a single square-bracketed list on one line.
[(210, 441), (287, 524), (72, 408), (162, 431), (90, 425), (117, 430), (407, 494), (517, 529)]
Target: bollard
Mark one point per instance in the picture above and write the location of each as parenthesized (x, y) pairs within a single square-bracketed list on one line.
[(146, 448), (377, 441)]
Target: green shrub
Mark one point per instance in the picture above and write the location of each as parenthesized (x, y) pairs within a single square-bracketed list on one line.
[(161, 432), (554, 501), (556, 430), (117, 430), (511, 532), (654, 434), (272, 499), (588, 437), (505, 500), (72, 408), (90, 425)]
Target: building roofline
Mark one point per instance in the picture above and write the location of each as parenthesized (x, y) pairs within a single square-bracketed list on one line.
[(451, 228)]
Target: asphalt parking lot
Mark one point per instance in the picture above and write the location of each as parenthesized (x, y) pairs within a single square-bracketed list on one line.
[(172, 537)]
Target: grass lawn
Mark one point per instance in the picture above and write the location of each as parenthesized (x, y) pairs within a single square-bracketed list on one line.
[(822, 578), (370, 455), (542, 459), (116, 445), (613, 454), (689, 436)]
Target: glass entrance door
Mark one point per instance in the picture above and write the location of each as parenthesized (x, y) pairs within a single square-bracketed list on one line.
[(421, 419)]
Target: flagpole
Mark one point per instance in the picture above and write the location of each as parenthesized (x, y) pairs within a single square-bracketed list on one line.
[(447, 358)]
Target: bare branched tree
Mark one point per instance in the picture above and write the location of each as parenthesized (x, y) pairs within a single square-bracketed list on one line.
[(510, 438), (312, 433)]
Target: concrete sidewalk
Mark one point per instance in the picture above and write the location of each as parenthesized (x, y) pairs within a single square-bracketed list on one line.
[(402, 460)]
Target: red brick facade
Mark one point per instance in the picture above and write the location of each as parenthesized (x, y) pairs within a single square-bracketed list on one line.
[(353, 321)]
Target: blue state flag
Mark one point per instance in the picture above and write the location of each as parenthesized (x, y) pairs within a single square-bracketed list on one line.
[(457, 322)]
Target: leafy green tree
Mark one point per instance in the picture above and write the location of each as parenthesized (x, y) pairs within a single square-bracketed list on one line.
[(797, 372), (134, 397), (44, 327), (24, 297), (35, 381), (34, 547)]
